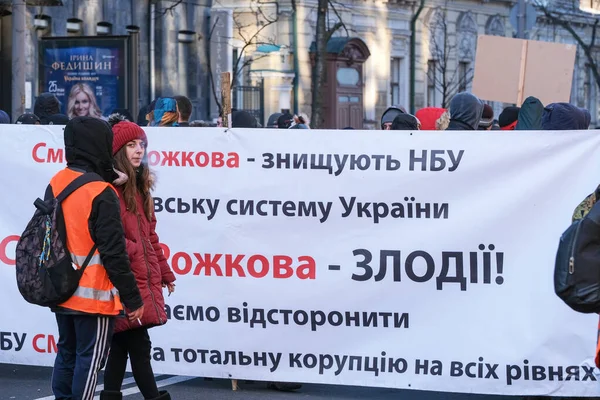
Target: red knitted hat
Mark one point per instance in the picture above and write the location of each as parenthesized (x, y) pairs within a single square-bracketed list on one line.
[(124, 132)]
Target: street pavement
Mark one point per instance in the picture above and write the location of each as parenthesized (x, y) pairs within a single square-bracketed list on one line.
[(33, 383)]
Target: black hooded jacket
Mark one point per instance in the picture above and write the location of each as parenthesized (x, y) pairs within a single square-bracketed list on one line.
[(46, 105), (88, 147), (405, 122), (465, 112)]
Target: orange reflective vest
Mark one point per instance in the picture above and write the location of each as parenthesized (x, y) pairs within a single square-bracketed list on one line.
[(96, 293)]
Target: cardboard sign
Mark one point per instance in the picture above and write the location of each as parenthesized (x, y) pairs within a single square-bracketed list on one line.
[(509, 70), (591, 6)]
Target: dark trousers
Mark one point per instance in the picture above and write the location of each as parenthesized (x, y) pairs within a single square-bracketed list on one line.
[(82, 349), (135, 343)]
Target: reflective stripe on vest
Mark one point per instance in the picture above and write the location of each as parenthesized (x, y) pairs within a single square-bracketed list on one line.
[(79, 260), (96, 293)]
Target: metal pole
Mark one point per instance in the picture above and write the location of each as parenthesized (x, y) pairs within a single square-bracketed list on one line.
[(296, 61), (413, 56), (18, 58), (521, 19), (152, 50)]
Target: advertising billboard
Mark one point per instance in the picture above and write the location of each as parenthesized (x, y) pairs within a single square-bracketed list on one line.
[(87, 74)]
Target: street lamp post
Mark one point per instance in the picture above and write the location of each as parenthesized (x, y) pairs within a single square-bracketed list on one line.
[(18, 58)]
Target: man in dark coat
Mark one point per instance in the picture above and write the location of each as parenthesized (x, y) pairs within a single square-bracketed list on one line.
[(405, 122), (530, 115), (47, 108), (465, 112), (565, 117)]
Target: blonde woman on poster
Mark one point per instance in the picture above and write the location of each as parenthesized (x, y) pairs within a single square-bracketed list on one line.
[(82, 102)]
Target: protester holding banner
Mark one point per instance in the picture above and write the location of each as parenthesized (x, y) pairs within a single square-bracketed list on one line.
[(148, 264), (82, 102), (91, 214)]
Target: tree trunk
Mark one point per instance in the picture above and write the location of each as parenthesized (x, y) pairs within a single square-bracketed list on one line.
[(319, 78)]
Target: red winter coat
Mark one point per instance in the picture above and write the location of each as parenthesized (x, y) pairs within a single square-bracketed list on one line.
[(148, 264)]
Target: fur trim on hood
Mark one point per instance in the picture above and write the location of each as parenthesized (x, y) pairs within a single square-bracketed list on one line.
[(122, 178)]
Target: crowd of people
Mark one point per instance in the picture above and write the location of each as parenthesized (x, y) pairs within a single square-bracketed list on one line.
[(466, 112), (131, 271)]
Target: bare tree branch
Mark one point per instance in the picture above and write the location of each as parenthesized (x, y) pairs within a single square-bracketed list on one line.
[(332, 30), (169, 9), (339, 18), (447, 78), (210, 72)]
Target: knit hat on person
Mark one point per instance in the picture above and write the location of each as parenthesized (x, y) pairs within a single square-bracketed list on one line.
[(508, 118), (487, 118), (285, 121), (124, 132), (27, 119), (243, 119), (56, 119)]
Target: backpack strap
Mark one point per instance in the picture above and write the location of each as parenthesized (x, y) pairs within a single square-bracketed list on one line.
[(77, 183), (89, 257)]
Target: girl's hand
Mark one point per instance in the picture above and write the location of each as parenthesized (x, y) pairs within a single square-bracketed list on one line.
[(170, 287)]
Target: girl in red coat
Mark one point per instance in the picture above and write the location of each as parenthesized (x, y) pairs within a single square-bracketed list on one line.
[(148, 264)]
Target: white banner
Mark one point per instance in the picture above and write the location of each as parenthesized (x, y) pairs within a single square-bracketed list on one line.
[(389, 259)]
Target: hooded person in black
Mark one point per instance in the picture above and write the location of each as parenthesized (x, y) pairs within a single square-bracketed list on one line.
[(389, 115), (530, 115), (405, 122), (47, 108), (565, 117), (85, 336), (466, 111), (88, 148)]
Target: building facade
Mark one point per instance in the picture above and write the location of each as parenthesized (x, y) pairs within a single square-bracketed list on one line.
[(268, 47)]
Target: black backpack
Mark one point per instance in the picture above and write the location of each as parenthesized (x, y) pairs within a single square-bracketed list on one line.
[(46, 274), (577, 266)]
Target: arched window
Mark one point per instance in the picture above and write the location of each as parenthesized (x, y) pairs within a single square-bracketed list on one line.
[(495, 26)]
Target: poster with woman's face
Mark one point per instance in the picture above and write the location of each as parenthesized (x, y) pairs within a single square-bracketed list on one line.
[(87, 75)]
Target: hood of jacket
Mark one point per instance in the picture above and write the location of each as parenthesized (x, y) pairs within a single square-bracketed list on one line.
[(405, 122), (46, 105), (88, 146), (565, 117), (429, 116), (466, 109), (390, 114), (530, 115)]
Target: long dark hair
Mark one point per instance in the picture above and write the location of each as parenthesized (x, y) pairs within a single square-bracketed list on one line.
[(140, 180)]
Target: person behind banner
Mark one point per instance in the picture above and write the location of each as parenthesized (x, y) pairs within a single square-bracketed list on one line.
[(509, 118), (184, 110), (465, 112), (148, 264), (82, 102), (164, 112), (565, 117), (4, 118), (92, 218)]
